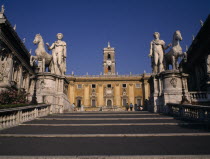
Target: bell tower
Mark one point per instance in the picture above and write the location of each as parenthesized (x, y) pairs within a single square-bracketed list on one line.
[(109, 60)]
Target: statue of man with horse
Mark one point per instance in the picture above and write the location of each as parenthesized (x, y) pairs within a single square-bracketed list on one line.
[(160, 60), (56, 63)]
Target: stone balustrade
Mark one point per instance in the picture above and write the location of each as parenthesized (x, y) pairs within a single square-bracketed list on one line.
[(198, 96), (194, 112), (15, 116), (110, 76), (104, 108)]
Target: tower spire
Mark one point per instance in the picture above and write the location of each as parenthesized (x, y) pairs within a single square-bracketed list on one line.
[(108, 44)]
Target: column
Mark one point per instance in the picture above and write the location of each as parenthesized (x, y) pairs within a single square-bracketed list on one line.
[(100, 95), (71, 94), (86, 95), (117, 95), (131, 93)]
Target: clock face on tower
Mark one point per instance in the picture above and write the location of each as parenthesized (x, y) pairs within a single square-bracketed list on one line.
[(109, 63)]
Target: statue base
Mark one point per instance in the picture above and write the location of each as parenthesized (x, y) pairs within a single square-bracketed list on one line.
[(169, 86), (52, 89)]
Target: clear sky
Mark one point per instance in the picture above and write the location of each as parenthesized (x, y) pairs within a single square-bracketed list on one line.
[(88, 25)]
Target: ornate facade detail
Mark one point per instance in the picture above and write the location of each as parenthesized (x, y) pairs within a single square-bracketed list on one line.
[(124, 93), (173, 82)]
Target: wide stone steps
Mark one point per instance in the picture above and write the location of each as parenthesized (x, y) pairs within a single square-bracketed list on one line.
[(86, 134)]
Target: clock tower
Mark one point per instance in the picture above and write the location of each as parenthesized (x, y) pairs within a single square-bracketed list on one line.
[(109, 60)]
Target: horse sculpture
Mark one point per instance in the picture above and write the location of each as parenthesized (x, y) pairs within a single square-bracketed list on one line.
[(41, 55), (171, 58)]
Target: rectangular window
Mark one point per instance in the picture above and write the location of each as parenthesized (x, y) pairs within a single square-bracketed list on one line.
[(138, 85), (93, 86), (124, 85), (109, 85), (79, 86)]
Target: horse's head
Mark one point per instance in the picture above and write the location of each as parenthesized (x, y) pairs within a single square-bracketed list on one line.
[(177, 35), (37, 39)]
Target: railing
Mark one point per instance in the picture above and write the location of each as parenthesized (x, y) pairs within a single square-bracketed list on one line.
[(103, 108), (110, 76), (14, 116), (194, 112), (199, 96)]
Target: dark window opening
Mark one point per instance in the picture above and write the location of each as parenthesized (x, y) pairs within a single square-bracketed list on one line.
[(109, 68), (93, 86), (124, 85), (109, 57), (109, 85)]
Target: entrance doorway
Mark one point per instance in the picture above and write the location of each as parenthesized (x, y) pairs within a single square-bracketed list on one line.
[(138, 102), (93, 102), (78, 103), (109, 103), (124, 102)]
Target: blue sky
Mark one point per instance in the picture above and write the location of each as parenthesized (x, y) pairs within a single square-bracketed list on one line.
[(88, 25)]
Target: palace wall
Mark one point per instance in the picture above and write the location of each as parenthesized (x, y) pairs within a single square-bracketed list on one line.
[(108, 90), (198, 60), (15, 69)]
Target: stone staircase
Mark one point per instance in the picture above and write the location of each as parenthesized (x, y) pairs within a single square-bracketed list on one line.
[(101, 135)]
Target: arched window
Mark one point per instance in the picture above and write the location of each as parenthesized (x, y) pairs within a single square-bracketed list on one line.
[(109, 103), (109, 68), (109, 57)]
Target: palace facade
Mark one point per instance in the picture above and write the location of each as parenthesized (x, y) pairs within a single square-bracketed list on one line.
[(109, 89)]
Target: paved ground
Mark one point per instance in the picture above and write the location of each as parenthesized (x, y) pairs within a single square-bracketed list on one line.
[(103, 134)]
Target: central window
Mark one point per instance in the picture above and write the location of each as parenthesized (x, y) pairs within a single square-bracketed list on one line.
[(109, 86), (79, 86), (93, 86), (124, 85)]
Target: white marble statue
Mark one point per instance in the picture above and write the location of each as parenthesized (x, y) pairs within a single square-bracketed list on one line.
[(171, 58), (41, 55), (157, 48), (59, 54)]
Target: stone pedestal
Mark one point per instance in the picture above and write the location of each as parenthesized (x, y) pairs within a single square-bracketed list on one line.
[(52, 89), (168, 87), (155, 100)]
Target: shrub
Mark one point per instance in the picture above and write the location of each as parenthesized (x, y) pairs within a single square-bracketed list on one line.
[(12, 96)]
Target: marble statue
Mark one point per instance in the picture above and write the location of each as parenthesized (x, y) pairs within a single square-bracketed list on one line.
[(41, 55), (171, 58), (59, 54), (157, 48), (2, 9)]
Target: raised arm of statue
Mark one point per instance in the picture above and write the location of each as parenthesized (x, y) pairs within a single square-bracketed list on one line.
[(166, 47), (50, 47)]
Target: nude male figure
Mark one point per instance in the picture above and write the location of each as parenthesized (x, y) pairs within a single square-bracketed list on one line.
[(59, 54), (157, 48)]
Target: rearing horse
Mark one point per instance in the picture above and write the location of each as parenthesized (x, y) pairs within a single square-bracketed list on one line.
[(171, 58), (41, 54)]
